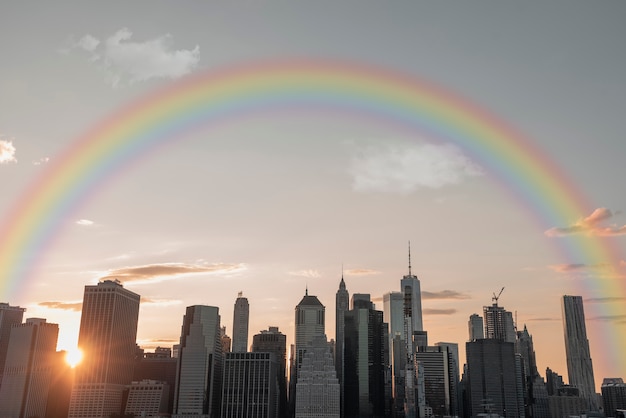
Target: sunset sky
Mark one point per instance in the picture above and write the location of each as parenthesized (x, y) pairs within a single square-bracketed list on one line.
[(274, 203)]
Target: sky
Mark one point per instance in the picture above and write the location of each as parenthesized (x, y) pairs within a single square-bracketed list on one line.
[(279, 203)]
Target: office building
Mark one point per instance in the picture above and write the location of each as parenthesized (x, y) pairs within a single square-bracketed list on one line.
[(342, 299), (148, 398), (274, 341), (613, 395), (579, 366), (200, 362), (9, 315), (493, 384), (310, 323), (158, 366), (29, 369), (249, 386), (535, 391), (365, 360), (107, 338), (241, 317), (437, 372), (317, 389)]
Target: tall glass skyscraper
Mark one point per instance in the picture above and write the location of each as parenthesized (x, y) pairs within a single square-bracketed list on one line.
[(241, 318), (9, 315), (310, 323), (199, 368), (342, 300), (107, 338), (579, 367)]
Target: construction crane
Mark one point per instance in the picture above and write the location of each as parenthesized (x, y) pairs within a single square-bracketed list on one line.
[(495, 298)]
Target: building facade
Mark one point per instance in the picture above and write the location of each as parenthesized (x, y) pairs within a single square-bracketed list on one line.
[(29, 369), (148, 398), (199, 367), (342, 300), (9, 316), (250, 386), (241, 317), (317, 389), (579, 365), (107, 338), (274, 341), (310, 323)]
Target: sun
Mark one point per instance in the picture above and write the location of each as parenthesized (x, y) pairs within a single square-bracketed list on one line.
[(73, 357)]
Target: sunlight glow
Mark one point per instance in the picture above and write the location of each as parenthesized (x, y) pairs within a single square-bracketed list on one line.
[(73, 357)]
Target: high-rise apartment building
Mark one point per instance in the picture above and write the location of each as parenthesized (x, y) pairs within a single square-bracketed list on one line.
[(249, 386), (274, 341), (29, 368), (9, 315), (200, 362), (499, 323), (317, 390), (437, 371), (342, 300), (579, 367), (310, 323), (241, 318), (475, 326), (107, 338)]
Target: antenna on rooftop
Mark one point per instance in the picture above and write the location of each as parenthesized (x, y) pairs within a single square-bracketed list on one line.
[(409, 258)]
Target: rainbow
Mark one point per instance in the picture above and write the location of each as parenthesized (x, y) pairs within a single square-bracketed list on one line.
[(207, 99)]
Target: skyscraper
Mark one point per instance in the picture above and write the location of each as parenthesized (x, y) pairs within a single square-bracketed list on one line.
[(274, 341), (310, 323), (317, 390), (199, 367), (475, 326), (241, 317), (341, 306), (493, 383), (28, 370), (365, 360), (249, 386), (499, 323), (9, 315), (579, 367), (107, 338)]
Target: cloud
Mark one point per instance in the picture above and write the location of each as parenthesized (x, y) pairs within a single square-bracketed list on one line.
[(66, 306), (404, 169), (41, 161), (168, 271), (361, 272), (444, 294), (7, 152), (159, 302), (609, 299), (544, 319), (616, 319), (84, 222), (125, 60), (312, 274), (590, 226), (438, 311)]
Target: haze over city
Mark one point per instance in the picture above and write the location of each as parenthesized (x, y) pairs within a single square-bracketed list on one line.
[(276, 203)]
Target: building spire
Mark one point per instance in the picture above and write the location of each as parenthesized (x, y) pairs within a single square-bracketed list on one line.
[(409, 258), (306, 290)]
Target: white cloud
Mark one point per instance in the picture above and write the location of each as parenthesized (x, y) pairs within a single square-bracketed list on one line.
[(125, 60), (313, 274), (43, 160), (7, 152), (404, 169), (84, 222)]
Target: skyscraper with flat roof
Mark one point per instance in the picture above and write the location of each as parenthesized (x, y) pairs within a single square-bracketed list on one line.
[(579, 367), (9, 315), (199, 367), (241, 317), (274, 341), (107, 338), (475, 326), (28, 370)]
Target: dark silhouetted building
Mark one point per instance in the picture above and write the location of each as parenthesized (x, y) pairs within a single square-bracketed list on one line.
[(107, 338), (273, 341), (241, 316)]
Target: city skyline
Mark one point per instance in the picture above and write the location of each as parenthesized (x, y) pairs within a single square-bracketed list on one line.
[(278, 202)]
